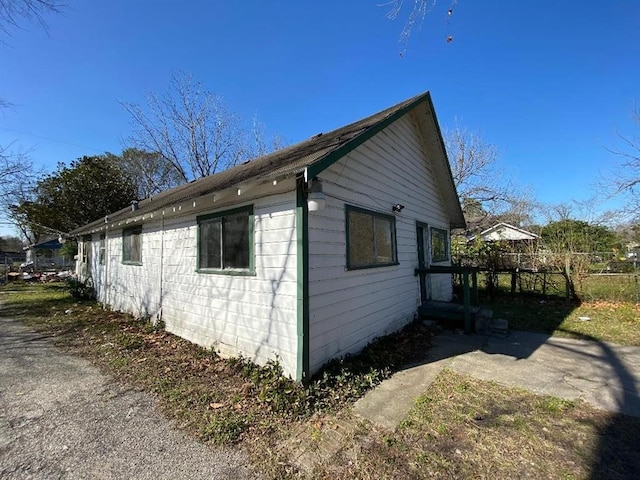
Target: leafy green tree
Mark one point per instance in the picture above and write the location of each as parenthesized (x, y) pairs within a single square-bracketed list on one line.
[(571, 245), (11, 244), (578, 236), (88, 189)]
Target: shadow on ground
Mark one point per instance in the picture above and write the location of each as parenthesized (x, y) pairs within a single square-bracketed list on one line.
[(615, 369)]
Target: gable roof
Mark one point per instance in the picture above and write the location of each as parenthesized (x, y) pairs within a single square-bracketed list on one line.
[(50, 243), (313, 156), (505, 231)]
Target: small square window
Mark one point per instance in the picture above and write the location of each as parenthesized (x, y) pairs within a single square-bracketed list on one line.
[(371, 238), (225, 241)]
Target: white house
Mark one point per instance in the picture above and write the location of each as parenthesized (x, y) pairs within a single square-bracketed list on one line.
[(505, 232), (304, 255), (46, 255)]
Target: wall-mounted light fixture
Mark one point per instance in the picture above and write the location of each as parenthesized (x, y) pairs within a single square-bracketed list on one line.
[(316, 199), (134, 205), (397, 208)]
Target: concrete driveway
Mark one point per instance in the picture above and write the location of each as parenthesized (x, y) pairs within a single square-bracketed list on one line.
[(61, 418), (603, 374)]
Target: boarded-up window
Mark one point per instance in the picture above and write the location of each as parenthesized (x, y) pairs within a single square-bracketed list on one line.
[(439, 245), (225, 241), (132, 245), (370, 238)]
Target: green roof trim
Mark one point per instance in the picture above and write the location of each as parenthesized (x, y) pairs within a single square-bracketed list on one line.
[(354, 143)]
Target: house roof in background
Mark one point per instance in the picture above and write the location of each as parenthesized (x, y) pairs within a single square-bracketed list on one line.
[(505, 231), (314, 154), (50, 243)]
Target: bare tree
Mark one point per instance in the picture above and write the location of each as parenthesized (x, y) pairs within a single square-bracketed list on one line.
[(12, 12), (417, 13), (626, 180), (150, 172), (16, 177), (192, 131), (483, 189)]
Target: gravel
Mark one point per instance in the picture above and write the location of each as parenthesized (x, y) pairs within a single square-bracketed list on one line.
[(61, 418)]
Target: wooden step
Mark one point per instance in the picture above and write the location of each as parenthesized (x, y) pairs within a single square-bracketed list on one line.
[(451, 315)]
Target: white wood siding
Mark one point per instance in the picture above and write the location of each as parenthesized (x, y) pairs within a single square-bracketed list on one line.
[(348, 309), (132, 288), (254, 316)]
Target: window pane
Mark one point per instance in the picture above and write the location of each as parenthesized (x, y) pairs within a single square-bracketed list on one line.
[(210, 244), (102, 248), (439, 247), (360, 239), (126, 247), (135, 247), (236, 241), (131, 246), (384, 244)]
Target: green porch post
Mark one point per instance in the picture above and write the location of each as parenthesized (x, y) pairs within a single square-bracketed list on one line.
[(467, 301)]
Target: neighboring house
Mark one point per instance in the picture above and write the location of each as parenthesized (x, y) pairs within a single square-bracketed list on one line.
[(46, 255), (505, 232), (303, 255), (518, 247)]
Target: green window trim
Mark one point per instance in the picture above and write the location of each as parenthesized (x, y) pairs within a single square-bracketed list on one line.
[(439, 245), (382, 250), (219, 218), (129, 256)]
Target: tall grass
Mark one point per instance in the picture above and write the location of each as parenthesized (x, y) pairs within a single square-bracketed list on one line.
[(620, 287)]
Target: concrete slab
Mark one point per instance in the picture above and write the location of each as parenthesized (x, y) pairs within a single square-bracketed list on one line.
[(389, 403), (603, 374)]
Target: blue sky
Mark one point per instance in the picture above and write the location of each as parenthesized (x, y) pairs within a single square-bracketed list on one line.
[(550, 83)]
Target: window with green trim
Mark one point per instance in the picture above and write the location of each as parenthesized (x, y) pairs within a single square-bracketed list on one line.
[(225, 241), (132, 245), (371, 238), (439, 245)]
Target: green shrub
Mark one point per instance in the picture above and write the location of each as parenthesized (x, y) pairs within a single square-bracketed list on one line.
[(82, 290)]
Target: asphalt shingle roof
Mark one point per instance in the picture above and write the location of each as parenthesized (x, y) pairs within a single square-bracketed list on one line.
[(286, 162)]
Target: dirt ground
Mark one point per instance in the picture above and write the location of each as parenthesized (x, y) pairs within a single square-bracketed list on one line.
[(61, 418)]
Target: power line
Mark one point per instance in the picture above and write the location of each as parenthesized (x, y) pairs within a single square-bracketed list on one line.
[(52, 139)]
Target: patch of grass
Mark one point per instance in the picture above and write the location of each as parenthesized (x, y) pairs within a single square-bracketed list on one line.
[(615, 322), (613, 288), (589, 288), (467, 428), (129, 341), (224, 428), (556, 405), (459, 428)]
